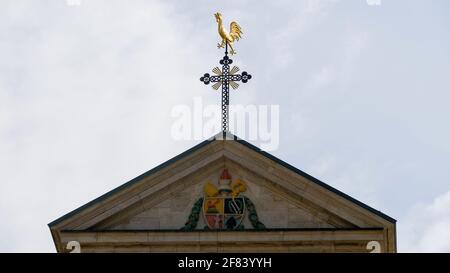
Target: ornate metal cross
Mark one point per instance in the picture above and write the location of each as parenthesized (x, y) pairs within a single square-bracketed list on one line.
[(225, 78)]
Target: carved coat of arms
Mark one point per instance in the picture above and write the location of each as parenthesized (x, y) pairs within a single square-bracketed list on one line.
[(224, 206)]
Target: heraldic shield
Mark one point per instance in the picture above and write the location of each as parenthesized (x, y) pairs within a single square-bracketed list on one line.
[(223, 212), (223, 207)]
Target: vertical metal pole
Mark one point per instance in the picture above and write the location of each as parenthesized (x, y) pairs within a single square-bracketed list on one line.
[(225, 93), (224, 103)]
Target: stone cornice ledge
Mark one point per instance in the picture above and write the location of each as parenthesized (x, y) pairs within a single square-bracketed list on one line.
[(208, 237)]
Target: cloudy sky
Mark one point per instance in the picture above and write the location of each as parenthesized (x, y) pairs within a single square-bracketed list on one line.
[(86, 94)]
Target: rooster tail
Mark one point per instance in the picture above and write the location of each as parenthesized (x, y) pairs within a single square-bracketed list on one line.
[(235, 31)]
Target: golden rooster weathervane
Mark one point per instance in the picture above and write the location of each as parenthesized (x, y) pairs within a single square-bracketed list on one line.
[(228, 38), (227, 76)]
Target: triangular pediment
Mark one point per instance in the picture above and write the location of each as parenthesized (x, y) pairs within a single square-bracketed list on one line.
[(164, 198), (274, 209)]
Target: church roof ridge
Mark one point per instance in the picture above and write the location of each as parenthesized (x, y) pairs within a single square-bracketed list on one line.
[(222, 136)]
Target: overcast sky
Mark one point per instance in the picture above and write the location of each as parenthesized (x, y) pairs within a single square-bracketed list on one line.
[(86, 93)]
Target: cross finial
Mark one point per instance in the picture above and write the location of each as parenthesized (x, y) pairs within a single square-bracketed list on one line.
[(225, 77)]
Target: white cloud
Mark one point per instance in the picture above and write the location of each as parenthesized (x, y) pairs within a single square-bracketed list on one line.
[(85, 103), (426, 228), (286, 39), (86, 93), (322, 78)]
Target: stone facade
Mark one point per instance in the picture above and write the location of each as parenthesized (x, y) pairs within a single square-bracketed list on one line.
[(298, 212)]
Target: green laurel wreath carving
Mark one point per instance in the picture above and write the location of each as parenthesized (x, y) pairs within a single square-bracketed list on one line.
[(192, 221), (252, 215)]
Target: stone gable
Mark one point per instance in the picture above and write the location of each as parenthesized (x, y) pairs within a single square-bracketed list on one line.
[(270, 205)]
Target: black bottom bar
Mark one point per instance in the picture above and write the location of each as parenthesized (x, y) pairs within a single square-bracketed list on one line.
[(223, 262)]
